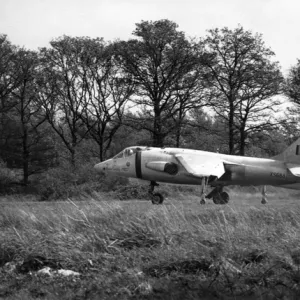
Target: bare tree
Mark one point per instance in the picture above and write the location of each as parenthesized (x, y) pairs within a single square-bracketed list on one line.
[(62, 92), (245, 79), (108, 89), (82, 91)]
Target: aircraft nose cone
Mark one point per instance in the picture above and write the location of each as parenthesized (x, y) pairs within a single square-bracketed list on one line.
[(102, 167)]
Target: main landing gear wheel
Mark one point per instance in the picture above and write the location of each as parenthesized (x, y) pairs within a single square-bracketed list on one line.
[(221, 198), (157, 198)]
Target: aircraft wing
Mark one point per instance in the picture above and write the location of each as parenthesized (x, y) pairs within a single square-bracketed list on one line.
[(201, 166)]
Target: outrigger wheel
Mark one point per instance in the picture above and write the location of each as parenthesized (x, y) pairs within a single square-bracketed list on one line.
[(156, 198)]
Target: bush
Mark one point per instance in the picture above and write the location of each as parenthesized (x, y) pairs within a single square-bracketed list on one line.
[(65, 181), (7, 179)]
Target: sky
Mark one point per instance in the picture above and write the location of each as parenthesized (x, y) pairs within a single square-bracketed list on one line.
[(34, 23)]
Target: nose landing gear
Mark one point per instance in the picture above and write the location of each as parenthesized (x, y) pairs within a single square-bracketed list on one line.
[(156, 198)]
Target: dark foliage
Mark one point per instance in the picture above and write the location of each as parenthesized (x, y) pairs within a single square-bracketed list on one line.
[(37, 262)]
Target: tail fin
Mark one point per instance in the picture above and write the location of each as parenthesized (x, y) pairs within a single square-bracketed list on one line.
[(290, 154)]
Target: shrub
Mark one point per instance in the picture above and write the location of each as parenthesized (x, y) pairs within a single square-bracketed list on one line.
[(65, 181), (7, 179)]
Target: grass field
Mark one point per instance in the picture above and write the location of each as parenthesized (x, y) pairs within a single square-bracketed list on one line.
[(135, 250)]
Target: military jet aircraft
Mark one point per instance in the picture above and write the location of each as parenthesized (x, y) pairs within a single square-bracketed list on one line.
[(195, 167)]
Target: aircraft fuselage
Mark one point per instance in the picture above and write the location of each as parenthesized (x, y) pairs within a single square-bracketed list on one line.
[(162, 165)]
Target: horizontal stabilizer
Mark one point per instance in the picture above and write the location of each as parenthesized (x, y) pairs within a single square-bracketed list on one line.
[(201, 166)]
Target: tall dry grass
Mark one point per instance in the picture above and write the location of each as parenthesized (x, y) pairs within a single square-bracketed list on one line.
[(142, 248)]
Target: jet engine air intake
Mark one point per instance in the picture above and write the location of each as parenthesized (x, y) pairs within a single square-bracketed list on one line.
[(171, 168), (161, 166)]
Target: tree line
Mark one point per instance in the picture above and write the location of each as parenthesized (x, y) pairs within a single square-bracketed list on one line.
[(85, 98)]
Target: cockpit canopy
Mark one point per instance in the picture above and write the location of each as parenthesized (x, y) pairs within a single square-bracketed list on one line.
[(129, 151)]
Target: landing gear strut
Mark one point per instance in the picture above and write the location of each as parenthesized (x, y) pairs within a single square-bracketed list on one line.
[(264, 195), (156, 198), (203, 190), (218, 196)]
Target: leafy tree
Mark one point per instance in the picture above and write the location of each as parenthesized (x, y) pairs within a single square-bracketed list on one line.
[(290, 126), (8, 73), (292, 90), (268, 143), (244, 79), (292, 87), (205, 132), (28, 144), (8, 82), (165, 67), (129, 134)]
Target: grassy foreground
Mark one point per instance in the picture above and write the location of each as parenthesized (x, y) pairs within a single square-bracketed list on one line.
[(134, 250)]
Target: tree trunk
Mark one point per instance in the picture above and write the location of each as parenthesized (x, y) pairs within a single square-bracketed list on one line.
[(178, 129), (158, 139), (178, 134), (73, 147), (231, 132), (73, 162), (101, 151), (25, 157), (25, 150), (242, 141)]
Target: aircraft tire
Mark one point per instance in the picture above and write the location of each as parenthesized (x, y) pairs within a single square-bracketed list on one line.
[(224, 198), (216, 199), (221, 198), (157, 198)]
